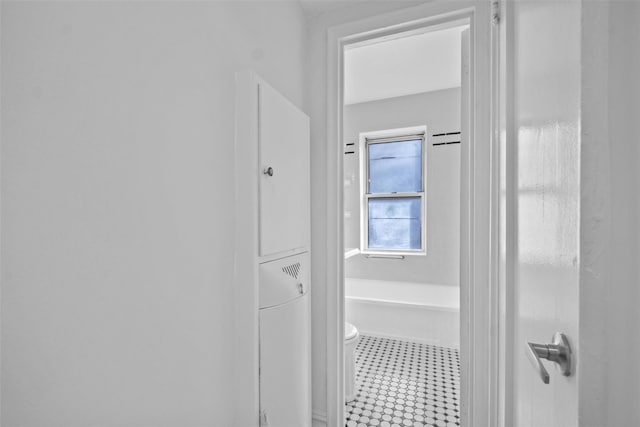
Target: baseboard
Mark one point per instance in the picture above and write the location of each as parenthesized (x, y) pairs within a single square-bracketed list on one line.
[(319, 420)]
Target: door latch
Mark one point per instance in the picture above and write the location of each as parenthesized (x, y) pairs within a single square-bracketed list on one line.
[(558, 351), (264, 421)]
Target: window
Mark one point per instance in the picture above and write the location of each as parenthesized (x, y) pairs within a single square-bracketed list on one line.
[(393, 193)]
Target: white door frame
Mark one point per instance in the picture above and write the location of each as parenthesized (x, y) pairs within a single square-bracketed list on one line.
[(480, 297)]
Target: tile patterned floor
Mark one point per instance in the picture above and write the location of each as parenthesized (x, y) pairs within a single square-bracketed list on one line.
[(404, 384)]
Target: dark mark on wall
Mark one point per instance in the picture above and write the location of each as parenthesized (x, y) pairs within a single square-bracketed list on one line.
[(446, 143)]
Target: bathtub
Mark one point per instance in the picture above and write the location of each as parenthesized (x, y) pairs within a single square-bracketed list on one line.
[(426, 313)]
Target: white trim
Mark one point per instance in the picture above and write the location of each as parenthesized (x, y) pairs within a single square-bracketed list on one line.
[(318, 419), (479, 342), (348, 253), (508, 214), (396, 132), (496, 323), (246, 330)]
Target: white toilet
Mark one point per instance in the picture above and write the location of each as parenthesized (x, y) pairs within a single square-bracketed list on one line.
[(351, 338)]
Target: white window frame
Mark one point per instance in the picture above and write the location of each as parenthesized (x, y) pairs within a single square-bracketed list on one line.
[(391, 135)]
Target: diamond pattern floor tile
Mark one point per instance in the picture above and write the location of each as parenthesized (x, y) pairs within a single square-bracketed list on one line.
[(404, 384)]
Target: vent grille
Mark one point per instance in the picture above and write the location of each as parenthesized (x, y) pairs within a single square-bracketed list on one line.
[(292, 270)]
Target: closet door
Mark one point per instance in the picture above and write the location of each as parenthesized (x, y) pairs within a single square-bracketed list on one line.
[(284, 173)]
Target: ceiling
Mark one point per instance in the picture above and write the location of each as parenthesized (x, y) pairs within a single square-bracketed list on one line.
[(403, 66)]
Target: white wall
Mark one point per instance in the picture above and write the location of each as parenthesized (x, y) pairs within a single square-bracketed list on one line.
[(440, 112), (623, 346), (610, 227), (117, 220)]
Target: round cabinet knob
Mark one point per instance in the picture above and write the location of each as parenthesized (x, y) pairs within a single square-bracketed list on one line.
[(268, 171)]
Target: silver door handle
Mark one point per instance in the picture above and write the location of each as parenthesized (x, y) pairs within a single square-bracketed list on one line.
[(300, 288), (558, 351), (268, 171)]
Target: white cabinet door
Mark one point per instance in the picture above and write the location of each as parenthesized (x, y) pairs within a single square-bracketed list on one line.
[(284, 173), (283, 280), (285, 365)]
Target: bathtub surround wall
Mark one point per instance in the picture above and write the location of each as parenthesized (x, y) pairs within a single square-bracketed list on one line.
[(440, 112), (117, 210)]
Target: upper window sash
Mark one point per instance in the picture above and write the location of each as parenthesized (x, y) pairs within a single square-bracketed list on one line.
[(367, 161)]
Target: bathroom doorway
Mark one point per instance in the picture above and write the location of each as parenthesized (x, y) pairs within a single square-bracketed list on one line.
[(375, 254), (402, 156)]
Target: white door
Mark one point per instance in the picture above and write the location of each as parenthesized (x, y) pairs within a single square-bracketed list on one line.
[(545, 51), (284, 173)]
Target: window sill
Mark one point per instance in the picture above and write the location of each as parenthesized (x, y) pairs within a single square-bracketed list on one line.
[(349, 252), (391, 255)]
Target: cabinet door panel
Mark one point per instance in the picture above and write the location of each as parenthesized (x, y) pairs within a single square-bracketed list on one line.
[(285, 368), (284, 193)]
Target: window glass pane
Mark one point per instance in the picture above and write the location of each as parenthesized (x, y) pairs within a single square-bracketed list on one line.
[(394, 223), (395, 167)]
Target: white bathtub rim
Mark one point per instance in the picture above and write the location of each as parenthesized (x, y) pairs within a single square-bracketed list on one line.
[(411, 293), (403, 304)]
